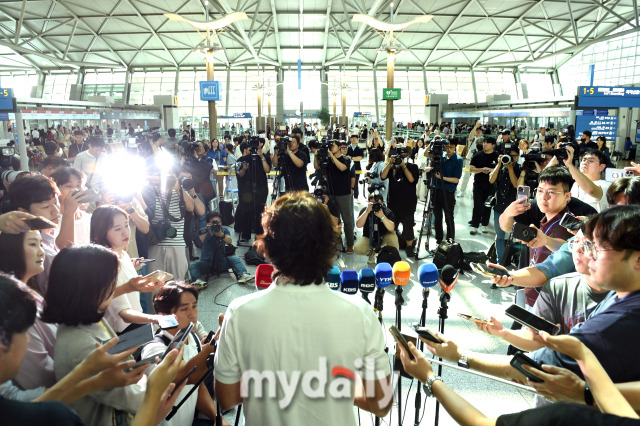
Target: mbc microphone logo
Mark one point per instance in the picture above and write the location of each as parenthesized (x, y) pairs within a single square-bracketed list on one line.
[(367, 287)]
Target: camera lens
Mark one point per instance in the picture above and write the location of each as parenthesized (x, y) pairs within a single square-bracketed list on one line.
[(506, 159)]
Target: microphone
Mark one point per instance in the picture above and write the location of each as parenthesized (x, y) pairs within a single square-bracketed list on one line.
[(366, 282), (333, 278), (401, 273), (449, 278), (264, 271), (428, 275), (384, 274), (349, 281)]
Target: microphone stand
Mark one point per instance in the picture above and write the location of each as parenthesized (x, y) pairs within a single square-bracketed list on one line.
[(423, 319), (377, 306), (442, 316), (175, 408), (399, 301)]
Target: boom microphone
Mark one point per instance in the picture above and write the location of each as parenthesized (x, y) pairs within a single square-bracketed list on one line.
[(449, 278), (333, 278), (264, 273), (366, 282), (401, 273), (349, 282), (384, 274)]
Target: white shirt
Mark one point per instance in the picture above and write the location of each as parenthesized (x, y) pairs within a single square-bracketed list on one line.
[(293, 329), (599, 205), (90, 166), (126, 301)]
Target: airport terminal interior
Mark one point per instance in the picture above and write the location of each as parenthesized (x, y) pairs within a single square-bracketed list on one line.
[(404, 70)]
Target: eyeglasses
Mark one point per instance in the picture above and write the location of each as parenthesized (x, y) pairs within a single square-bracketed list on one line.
[(543, 193), (588, 160), (587, 247)]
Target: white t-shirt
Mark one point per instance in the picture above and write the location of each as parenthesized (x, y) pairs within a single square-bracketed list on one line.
[(599, 205), (295, 331), (91, 167), (184, 416), (126, 301)]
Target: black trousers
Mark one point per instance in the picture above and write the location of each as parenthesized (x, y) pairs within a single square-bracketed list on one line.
[(439, 206), (249, 214), (408, 222), (481, 215)]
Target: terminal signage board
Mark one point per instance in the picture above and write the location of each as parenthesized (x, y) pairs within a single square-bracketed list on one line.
[(6, 99), (608, 97), (393, 94), (210, 90), (599, 125), (361, 114)]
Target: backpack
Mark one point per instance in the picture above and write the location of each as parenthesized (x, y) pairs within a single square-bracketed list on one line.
[(448, 252), (226, 212), (252, 257), (388, 254), (475, 257)]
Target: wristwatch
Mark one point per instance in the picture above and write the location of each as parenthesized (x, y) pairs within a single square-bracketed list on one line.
[(131, 210), (462, 362), (427, 386)]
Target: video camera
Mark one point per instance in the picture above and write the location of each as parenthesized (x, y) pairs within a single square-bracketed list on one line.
[(534, 156), (254, 144), (282, 144), (400, 155), (323, 150), (561, 151)]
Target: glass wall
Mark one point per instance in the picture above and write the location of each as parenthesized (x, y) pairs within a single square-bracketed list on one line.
[(58, 86), (21, 83), (105, 83)]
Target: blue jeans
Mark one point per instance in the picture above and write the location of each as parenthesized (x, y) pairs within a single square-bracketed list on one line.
[(200, 269), (500, 235)]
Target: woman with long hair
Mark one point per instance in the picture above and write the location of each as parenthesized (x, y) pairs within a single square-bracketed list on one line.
[(218, 154)]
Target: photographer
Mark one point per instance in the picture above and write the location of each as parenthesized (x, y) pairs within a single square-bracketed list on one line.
[(377, 223), (403, 180), (356, 154), (293, 164), (339, 185), (449, 175), (195, 160), (251, 169), (588, 186), (375, 167), (217, 253), (481, 165), (505, 173)]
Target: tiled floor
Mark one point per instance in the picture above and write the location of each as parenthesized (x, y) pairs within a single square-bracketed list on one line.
[(471, 295)]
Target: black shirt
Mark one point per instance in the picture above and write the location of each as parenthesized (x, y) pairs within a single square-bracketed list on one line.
[(38, 413), (355, 152), (481, 160), (245, 183), (295, 178), (533, 216), (563, 413), (506, 193), (76, 149), (402, 197), (339, 182), (379, 228)]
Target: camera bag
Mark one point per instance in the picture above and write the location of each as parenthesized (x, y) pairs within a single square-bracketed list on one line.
[(448, 252)]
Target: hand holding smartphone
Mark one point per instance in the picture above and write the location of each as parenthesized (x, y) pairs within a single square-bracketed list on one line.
[(401, 340), (474, 319), (425, 333), (520, 359)]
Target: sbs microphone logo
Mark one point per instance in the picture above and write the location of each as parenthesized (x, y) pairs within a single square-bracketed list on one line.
[(334, 286)]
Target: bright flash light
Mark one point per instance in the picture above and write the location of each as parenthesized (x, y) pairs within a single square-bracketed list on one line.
[(164, 160), (125, 175)]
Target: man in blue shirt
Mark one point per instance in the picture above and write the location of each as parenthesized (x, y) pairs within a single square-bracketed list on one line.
[(451, 171)]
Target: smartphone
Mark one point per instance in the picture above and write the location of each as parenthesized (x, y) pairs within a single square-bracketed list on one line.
[(524, 192), (136, 337), (570, 222), (178, 340), (143, 260), (474, 319), (530, 320), (427, 334), (39, 222), (88, 196), (519, 359), (159, 276), (524, 232), (186, 376), (167, 322), (149, 360), (209, 337), (400, 339), (611, 175), (488, 271)]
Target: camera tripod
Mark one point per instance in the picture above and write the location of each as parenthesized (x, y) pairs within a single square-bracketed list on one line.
[(282, 172)]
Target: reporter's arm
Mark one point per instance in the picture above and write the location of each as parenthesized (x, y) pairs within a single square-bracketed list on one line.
[(294, 158), (530, 276), (512, 176), (228, 396), (376, 404), (385, 171), (493, 177), (584, 182), (188, 201)]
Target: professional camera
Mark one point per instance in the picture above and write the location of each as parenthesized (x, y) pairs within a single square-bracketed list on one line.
[(435, 152), (398, 157), (321, 185), (187, 183), (282, 144), (214, 228), (6, 154), (531, 159), (369, 175), (376, 207), (323, 151), (506, 159), (254, 144), (561, 151), (189, 149)]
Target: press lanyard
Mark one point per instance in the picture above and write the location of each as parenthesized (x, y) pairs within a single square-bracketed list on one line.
[(535, 250)]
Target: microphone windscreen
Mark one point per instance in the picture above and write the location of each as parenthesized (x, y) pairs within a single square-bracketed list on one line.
[(349, 282), (263, 276), (449, 278), (428, 275), (366, 280), (401, 273), (333, 278), (383, 275)]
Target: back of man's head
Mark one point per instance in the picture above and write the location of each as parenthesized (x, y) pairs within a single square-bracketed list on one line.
[(555, 175), (17, 308), (30, 189), (624, 191), (54, 163), (96, 142), (50, 147), (617, 228), (172, 133)]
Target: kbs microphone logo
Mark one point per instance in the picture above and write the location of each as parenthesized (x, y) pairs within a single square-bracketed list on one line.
[(335, 382), (349, 290)]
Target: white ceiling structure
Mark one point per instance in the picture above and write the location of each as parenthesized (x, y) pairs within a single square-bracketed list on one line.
[(71, 34)]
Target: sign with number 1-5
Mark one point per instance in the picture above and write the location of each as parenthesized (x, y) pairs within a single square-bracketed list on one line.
[(6, 99)]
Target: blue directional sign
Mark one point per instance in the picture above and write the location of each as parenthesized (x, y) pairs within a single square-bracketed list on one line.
[(599, 125), (6, 99), (210, 91), (611, 97)]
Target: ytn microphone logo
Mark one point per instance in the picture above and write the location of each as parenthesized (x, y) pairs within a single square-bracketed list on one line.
[(385, 281)]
